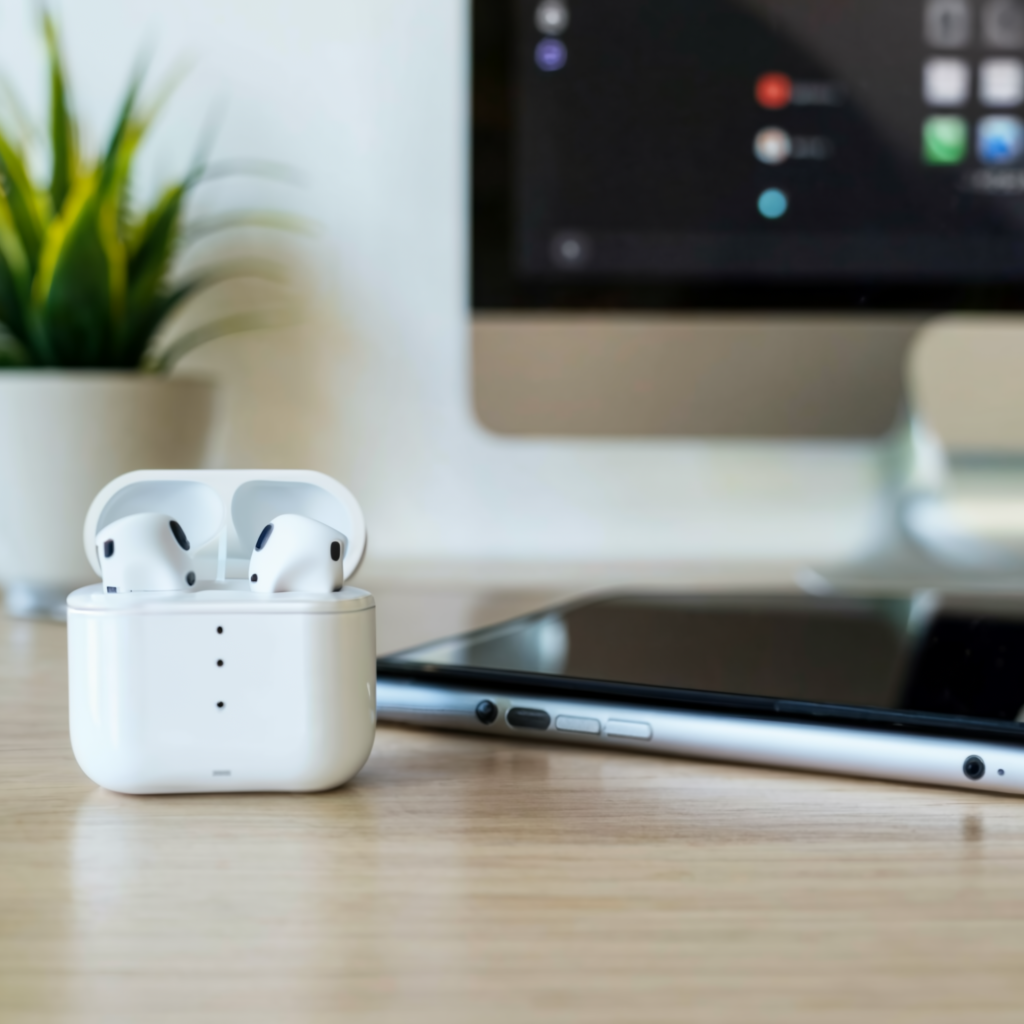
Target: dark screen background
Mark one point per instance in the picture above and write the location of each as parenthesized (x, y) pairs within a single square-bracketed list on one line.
[(639, 152), (962, 657), (642, 143)]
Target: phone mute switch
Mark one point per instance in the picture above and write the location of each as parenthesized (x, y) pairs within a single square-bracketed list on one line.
[(621, 729), (570, 723)]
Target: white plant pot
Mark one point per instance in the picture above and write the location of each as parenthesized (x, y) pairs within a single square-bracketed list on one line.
[(64, 434)]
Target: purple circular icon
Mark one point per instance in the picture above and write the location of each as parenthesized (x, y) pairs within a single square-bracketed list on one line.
[(551, 55)]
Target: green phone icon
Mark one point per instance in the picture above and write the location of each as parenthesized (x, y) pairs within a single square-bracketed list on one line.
[(944, 140)]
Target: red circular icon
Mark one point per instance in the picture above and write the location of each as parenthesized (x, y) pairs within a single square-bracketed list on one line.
[(774, 90)]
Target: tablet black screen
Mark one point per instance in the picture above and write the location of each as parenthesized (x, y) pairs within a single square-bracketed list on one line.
[(926, 655)]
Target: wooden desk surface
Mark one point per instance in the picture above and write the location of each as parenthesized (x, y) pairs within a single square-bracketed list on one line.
[(466, 879)]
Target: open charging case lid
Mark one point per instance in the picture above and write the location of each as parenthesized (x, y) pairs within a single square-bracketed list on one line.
[(223, 511)]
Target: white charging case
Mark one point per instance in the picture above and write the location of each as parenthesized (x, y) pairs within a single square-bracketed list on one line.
[(219, 689)]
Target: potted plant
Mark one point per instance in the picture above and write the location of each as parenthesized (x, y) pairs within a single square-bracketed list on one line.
[(87, 282)]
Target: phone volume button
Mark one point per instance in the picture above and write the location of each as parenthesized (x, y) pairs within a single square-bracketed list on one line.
[(571, 723), (620, 729)]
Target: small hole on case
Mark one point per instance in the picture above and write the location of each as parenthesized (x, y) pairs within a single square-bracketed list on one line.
[(220, 663), (220, 703), (253, 578), (220, 629)]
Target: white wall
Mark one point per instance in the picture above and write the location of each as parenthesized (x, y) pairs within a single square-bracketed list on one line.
[(367, 98)]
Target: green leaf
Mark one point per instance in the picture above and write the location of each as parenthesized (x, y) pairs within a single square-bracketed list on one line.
[(82, 281), (126, 139), (10, 302), (130, 128), (17, 111), (79, 290), (21, 199), (121, 149), (152, 243), (146, 317), (62, 127), (15, 280), (13, 352), (151, 250), (38, 341)]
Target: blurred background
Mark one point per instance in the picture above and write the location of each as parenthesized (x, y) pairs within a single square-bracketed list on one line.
[(368, 103)]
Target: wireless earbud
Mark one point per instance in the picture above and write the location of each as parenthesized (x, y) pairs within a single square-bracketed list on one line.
[(202, 685), (144, 552), (295, 553)]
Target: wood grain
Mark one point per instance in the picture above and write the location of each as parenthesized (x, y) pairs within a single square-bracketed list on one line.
[(466, 879)]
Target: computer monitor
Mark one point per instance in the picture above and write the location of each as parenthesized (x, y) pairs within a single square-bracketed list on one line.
[(730, 216)]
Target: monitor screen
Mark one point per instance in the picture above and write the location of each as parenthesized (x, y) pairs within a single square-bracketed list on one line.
[(673, 153)]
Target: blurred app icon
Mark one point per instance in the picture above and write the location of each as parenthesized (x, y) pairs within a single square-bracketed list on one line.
[(773, 146), (1002, 23), (551, 55), (551, 17), (947, 24), (772, 203), (774, 90), (570, 250), (944, 140), (1000, 139), (946, 82), (1001, 82)]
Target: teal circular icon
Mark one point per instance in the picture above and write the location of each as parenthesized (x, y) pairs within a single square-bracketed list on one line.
[(772, 203)]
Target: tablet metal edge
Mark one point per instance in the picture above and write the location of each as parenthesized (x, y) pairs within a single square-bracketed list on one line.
[(837, 750)]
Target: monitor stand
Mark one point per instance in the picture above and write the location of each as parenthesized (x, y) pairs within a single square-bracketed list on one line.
[(709, 375), (955, 492)]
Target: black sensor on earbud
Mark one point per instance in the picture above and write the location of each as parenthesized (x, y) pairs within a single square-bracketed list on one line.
[(152, 554), (179, 535)]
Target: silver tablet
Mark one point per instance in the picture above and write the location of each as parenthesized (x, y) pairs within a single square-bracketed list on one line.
[(926, 688)]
